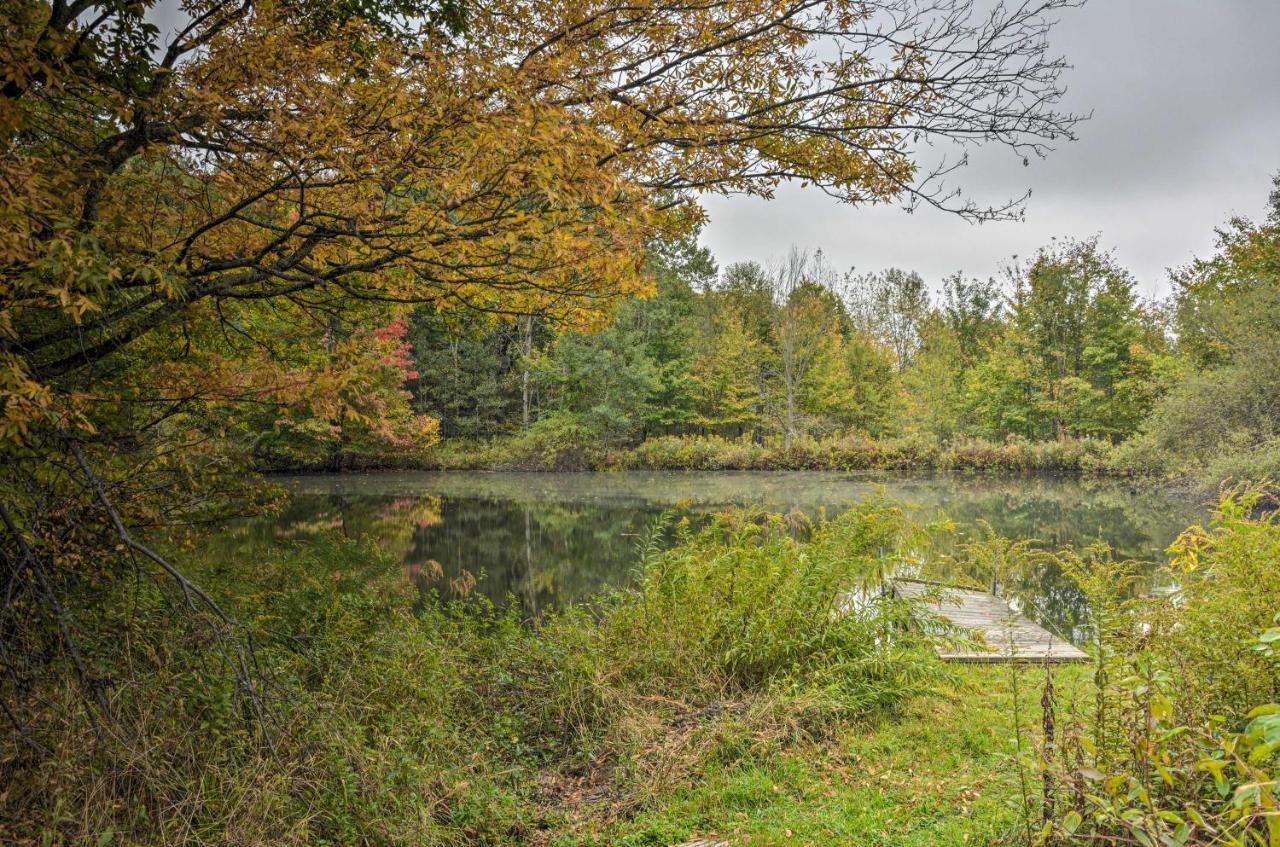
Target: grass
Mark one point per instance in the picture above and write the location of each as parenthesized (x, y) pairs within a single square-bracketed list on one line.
[(452, 723), (938, 772), (720, 696), (745, 710)]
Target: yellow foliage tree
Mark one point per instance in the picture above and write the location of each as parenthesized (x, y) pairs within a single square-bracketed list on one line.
[(301, 153)]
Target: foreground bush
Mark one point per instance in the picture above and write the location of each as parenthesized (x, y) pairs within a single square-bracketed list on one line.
[(453, 724), (743, 604), (1177, 744)]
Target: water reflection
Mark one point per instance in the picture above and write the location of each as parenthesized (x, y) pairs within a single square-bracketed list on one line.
[(548, 539)]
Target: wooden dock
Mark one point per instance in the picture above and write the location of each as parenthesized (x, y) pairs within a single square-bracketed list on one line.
[(1008, 636)]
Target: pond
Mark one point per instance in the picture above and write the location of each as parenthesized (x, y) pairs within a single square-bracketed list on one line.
[(553, 539)]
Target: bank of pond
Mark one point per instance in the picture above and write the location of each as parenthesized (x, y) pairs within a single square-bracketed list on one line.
[(711, 683), (541, 449)]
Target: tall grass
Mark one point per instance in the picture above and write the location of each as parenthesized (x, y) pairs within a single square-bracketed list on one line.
[(394, 720), (1177, 742), (743, 604), (539, 449)]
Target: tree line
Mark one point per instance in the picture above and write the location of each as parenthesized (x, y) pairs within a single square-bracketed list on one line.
[(1063, 347)]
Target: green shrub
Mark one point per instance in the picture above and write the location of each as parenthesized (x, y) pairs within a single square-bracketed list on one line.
[(1228, 589), (1174, 748), (1244, 462), (1162, 781), (672, 452), (371, 733), (556, 443), (743, 604)]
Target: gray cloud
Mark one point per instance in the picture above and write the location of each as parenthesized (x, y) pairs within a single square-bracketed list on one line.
[(1185, 96)]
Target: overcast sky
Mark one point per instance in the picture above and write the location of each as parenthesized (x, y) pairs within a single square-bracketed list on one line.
[(1185, 133)]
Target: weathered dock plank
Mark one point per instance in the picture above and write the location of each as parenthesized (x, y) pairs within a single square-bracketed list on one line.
[(1008, 636)]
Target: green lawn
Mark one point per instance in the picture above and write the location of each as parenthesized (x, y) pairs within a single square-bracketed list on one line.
[(941, 772)]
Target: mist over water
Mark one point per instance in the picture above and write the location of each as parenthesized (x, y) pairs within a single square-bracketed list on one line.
[(546, 540)]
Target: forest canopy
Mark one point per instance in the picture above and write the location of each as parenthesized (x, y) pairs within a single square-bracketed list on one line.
[(236, 196), (1062, 348), (875, 369)]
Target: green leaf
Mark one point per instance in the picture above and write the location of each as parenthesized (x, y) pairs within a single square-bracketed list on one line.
[(1262, 752), (1072, 822), (1247, 796)]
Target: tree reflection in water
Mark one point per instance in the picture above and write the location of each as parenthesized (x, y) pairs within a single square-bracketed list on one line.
[(555, 539)]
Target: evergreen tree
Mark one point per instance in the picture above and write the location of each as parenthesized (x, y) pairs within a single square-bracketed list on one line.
[(877, 401), (605, 381), (468, 372), (667, 325), (828, 394)]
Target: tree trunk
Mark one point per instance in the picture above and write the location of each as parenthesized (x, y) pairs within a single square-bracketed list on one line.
[(524, 377), (791, 416)]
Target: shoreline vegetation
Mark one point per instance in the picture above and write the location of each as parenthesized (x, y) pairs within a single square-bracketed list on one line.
[(1058, 367), (725, 693), (1085, 457)]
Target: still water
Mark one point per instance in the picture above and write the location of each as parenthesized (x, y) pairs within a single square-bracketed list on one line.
[(551, 539)]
